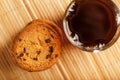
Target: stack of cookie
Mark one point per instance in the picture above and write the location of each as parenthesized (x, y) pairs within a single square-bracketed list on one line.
[(37, 47)]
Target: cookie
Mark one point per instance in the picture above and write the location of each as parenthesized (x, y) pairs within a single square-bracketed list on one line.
[(37, 47)]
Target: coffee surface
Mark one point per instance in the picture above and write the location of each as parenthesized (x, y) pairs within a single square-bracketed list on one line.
[(92, 21)]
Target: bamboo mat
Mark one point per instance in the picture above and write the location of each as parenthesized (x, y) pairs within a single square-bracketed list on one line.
[(74, 63)]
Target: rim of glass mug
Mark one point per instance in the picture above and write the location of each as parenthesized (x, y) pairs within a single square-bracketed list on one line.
[(92, 49)]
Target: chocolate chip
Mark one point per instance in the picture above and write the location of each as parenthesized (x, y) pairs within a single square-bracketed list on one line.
[(35, 59), (51, 49), (29, 23), (52, 36), (19, 39), (24, 59), (21, 55), (56, 55), (24, 50), (48, 56), (38, 52), (27, 54), (47, 41)]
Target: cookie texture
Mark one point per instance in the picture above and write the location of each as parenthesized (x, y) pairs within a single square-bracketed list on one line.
[(37, 47)]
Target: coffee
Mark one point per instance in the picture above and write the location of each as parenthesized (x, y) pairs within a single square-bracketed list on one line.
[(92, 22)]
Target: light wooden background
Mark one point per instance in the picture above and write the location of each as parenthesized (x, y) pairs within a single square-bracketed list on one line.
[(74, 63)]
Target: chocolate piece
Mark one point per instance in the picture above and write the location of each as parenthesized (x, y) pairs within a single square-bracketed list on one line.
[(38, 52), (51, 49), (48, 56), (24, 59), (29, 23), (27, 54), (35, 59), (52, 36), (56, 55), (47, 40), (19, 39), (24, 50), (21, 55)]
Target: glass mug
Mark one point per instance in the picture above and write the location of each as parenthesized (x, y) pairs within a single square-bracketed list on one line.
[(92, 25)]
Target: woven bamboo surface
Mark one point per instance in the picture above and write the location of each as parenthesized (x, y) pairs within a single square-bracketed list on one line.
[(74, 64)]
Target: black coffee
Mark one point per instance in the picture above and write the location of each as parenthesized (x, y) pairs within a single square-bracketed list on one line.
[(93, 21)]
